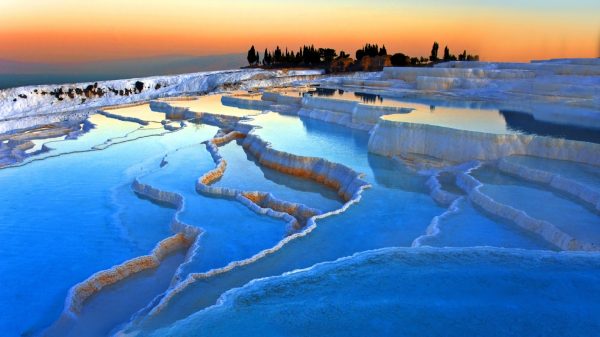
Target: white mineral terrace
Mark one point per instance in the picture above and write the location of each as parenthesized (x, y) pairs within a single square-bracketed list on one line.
[(555, 95), (559, 92)]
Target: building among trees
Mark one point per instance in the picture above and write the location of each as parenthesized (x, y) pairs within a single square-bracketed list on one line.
[(370, 57)]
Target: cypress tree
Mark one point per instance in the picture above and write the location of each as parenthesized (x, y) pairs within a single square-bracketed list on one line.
[(382, 51), (434, 52), (251, 55)]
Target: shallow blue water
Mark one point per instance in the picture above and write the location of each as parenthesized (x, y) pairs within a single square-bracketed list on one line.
[(232, 231), (107, 310), (65, 218), (244, 173), (585, 174), (567, 214), (393, 212), (476, 115), (314, 138), (422, 292), (70, 212), (468, 227)]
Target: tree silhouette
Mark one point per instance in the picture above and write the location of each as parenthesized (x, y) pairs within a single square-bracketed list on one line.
[(446, 54), (434, 52), (400, 60), (382, 51), (299, 57), (359, 54), (266, 57), (327, 54), (472, 57), (371, 50), (277, 55), (251, 55), (327, 58)]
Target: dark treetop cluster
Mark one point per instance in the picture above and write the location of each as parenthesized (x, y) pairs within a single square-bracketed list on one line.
[(305, 56), (369, 57)]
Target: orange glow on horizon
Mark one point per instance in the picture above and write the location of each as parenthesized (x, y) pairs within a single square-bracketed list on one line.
[(70, 31)]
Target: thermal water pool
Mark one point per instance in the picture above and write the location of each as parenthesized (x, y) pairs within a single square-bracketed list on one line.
[(569, 215), (465, 226), (244, 173), (424, 291), (141, 112), (472, 115), (70, 215), (585, 174), (212, 103), (393, 212), (397, 210)]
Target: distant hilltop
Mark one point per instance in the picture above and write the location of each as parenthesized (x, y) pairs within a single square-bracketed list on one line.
[(371, 57)]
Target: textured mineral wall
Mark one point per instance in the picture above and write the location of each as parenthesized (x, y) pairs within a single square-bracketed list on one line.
[(574, 188), (391, 138), (544, 229), (409, 74), (346, 181), (44, 99)]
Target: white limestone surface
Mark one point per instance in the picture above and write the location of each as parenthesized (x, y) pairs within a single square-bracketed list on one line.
[(390, 138), (44, 99)]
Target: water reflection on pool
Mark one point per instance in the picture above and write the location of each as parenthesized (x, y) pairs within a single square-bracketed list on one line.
[(212, 103)]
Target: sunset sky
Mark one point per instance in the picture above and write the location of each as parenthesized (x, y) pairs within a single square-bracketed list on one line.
[(508, 30)]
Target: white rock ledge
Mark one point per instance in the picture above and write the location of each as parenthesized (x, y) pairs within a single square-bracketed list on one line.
[(569, 186), (296, 215), (543, 229), (44, 99), (346, 181), (390, 138)]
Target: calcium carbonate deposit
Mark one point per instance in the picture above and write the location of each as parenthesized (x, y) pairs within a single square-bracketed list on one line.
[(461, 199)]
